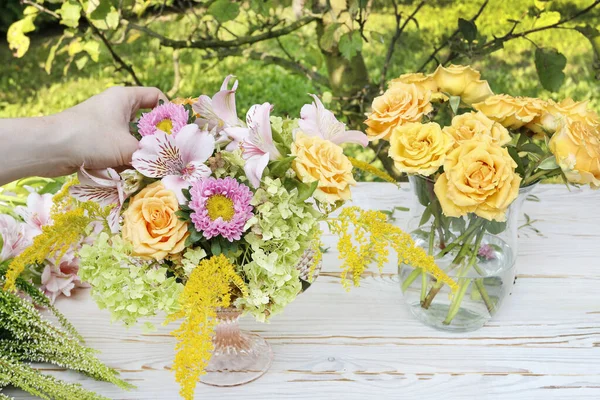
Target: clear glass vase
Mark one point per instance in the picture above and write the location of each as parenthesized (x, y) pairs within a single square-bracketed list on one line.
[(238, 357), (478, 254), (241, 357)]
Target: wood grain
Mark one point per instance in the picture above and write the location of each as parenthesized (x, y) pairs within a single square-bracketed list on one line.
[(543, 344)]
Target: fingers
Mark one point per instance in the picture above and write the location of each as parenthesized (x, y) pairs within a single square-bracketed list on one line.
[(145, 97)]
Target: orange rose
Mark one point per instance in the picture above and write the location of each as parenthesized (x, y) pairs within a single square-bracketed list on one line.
[(397, 106), (150, 223)]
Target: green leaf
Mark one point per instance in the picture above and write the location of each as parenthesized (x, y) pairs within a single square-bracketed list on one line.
[(495, 227), (454, 103), (70, 11), (550, 64), (515, 156), (224, 10), (330, 36), (1, 242), (593, 35), (458, 224), (104, 16), (468, 29), (51, 55), (51, 187), (532, 148), (549, 164), (15, 36), (93, 49), (182, 215), (350, 44), (279, 168), (426, 216), (305, 191), (194, 237), (215, 248), (548, 18)]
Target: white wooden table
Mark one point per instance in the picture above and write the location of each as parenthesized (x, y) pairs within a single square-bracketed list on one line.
[(543, 344)]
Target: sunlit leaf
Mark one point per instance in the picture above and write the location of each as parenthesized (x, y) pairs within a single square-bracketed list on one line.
[(330, 36), (70, 12), (81, 62), (17, 40)]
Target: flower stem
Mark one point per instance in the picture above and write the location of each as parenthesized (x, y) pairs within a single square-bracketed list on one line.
[(464, 283), (539, 175), (464, 237), (484, 295), (411, 278)]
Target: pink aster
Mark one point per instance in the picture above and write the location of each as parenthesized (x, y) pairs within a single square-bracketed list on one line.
[(168, 118), (316, 120), (221, 207)]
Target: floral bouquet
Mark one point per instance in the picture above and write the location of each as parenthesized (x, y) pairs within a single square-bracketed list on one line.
[(219, 217), (469, 155)]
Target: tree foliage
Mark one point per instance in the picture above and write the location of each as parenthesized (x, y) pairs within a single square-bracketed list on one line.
[(219, 29)]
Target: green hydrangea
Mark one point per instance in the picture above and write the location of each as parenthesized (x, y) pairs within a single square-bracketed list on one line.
[(281, 231), (284, 128), (128, 287)]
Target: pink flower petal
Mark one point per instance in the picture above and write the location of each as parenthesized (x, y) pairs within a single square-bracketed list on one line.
[(176, 184), (194, 144), (255, 167)]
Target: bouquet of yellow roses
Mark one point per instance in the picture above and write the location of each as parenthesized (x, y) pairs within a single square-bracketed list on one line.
[(468, 154), (217, 217)]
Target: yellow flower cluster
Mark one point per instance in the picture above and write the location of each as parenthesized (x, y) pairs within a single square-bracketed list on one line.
[(374, 236), (68, 228), (208, 288)]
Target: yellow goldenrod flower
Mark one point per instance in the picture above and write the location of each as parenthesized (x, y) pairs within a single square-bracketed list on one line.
[(208, 288), (365, 166), (374, 236)]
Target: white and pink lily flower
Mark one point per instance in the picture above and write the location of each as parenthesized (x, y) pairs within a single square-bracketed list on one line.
[(218, 112), (37, 212), (179, 161), (256, 142), (16, 237), (104, 187), (316, 120)]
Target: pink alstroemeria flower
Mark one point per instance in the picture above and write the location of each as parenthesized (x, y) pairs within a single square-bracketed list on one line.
[(37, 212), (60, 278), (219, 112), (104, 187), (256, 142), (316, 120), (16, 237), (179, 160)]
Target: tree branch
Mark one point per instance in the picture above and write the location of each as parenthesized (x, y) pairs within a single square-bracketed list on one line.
[(41, 8), (397, 34), (433, 55), (176, 75), (498, 43), (215, 44), (115, 56)]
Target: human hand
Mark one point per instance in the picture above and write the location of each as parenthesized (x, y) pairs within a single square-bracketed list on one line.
[(97, 130)]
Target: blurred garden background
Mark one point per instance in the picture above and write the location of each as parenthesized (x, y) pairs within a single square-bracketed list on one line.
[(80, 47)]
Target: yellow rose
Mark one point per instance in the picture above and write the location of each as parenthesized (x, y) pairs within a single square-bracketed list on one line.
[(463, 81), (419, 148), (151, 225), (423, 82), (576, 146), (397, 106), (467, 126), (553, 114), (511, 112), (479, 176), (323, 161)]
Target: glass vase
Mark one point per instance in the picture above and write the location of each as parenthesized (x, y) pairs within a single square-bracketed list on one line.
[(238, 357), (478, 254), (241, 357)]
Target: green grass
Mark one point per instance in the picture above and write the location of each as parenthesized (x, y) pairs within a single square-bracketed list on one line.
[(26, 89)]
